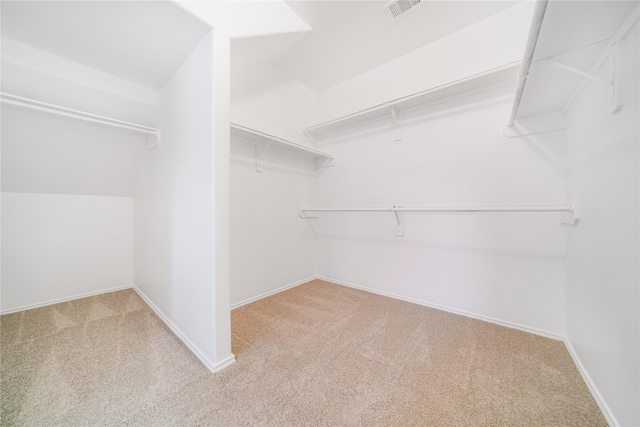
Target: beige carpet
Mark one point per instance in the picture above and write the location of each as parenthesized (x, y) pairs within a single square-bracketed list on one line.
[(318, 354)]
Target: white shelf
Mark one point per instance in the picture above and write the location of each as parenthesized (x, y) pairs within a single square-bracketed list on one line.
[(575, 40), (265, 142), (33, 104), (417, 100)]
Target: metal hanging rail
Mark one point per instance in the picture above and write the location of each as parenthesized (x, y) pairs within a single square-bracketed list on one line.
[(572, 211), (534, 33), (32, 104)]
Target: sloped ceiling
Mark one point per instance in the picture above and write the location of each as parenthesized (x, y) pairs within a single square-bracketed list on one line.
[(140, 41), (351, 37)]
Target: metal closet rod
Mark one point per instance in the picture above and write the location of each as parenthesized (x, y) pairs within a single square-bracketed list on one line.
[(462, 208), (32, 104), (532, 40)]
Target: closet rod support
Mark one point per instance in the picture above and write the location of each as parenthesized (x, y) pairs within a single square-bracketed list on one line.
[(308, 137), (261, 151), (573, 215), (304, 215), (396, 116), (329, 163), (399, 220)]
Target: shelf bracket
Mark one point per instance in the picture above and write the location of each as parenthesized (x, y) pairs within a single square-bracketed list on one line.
[(261, 151), (153, 140), (304, 215), (572, 217), (329, 163), (616, 54), (399, 221), (306, 136), (396, 116)]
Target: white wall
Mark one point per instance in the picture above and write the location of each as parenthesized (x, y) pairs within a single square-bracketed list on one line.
[(71, 235), (175, 208), (271, 247), (265, 98), (46, 153), (490, 43), (43, 153), (602, 264), (507, 267), (63, 246)]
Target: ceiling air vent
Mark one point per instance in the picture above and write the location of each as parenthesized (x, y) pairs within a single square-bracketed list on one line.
[(396, 8)]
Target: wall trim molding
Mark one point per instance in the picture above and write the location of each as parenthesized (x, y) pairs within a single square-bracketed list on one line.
[(505, 323), (595, 392), (273, 292), (212, 366), (66, 299)]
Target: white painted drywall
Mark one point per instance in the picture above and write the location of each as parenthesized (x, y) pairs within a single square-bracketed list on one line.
[(34, 73), (43, 153), (271, 247), (46, 153), (490, 43), (63, 246), (602, 263), (507, 267), (265, 98), (177, 207)]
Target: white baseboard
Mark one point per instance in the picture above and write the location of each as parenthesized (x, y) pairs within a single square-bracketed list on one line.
[(500, 322), (275, 291), (59, 300), (604, 408), (212, 366)]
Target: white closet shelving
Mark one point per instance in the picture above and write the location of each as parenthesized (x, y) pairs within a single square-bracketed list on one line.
[(264, 142), (394, 108), (32, 104), (569, 45), (571, 211)]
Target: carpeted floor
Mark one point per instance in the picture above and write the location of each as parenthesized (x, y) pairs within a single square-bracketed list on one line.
[(318, 354)]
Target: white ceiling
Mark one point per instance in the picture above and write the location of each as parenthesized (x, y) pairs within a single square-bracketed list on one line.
[(351, 37), (145, 41), (140, 41)]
